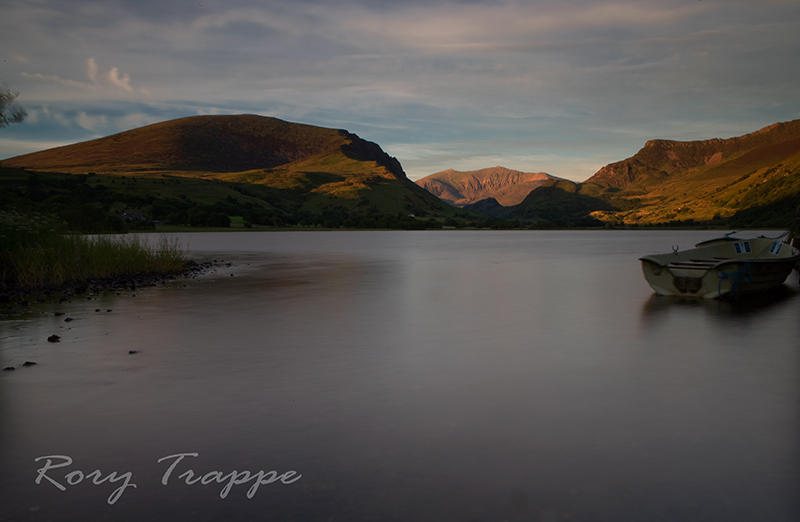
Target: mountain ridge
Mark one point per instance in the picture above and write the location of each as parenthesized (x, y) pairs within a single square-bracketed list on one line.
[(713, 181), (660, 158), (461, 188), (212, 144), (748, 180), (292, 166)]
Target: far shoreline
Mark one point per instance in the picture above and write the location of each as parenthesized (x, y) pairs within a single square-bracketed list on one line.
[(178, 229)]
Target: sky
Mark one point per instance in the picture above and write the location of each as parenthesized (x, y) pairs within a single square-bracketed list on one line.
[(563, 87)]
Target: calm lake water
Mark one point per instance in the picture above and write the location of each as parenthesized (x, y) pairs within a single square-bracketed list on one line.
[(411, 376)]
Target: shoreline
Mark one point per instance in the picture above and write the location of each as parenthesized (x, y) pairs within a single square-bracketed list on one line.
[(16, 301)]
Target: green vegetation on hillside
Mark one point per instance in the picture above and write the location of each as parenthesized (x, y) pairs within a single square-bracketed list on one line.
[(711, 181), (114, 204)]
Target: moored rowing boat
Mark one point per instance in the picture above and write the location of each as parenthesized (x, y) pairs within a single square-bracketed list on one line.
[(722, 267)]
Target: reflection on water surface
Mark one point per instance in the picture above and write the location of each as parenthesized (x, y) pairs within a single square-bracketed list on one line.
[(417, 376)]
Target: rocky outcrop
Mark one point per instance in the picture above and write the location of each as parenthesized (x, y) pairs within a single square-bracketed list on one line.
[(363, 150)]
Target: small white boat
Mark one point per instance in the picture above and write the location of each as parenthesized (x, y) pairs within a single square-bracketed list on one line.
[(720, 268)]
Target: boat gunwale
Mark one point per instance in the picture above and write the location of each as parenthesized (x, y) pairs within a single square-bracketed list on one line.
[(708, 264)]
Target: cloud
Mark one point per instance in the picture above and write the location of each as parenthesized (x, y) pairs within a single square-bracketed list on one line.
[(539, 80), (113, 78), (91, 70), (57, 79), (489, 27), (92, 123), (123, 81)]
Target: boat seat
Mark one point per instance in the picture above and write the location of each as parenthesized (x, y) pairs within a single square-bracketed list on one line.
[(701, 264)]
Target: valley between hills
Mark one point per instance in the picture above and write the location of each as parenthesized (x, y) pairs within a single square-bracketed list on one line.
[(246, 170)]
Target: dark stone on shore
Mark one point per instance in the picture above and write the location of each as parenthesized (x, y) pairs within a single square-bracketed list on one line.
[(60, 313), (54, 339), (109, 310), (131, 352), (9, 369), (96, 309), (28, 363), (68, 319)]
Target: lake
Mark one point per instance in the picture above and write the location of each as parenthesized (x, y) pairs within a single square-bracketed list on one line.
[(411, 376)]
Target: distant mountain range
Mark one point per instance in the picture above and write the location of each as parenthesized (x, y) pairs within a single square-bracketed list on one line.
[(751, 180), (288, 170), (508, 187)]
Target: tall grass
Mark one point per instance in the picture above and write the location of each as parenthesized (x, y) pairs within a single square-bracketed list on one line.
[(35, 251)]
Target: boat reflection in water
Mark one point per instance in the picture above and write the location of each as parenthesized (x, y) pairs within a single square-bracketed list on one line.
[(751, 305)]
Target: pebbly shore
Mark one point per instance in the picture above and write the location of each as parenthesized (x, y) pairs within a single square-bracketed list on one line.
[(14, 301)]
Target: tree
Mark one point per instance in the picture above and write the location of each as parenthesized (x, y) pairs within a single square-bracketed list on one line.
[(10, 112)]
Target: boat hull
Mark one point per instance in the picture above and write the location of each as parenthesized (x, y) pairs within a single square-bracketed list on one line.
[(720, 269)]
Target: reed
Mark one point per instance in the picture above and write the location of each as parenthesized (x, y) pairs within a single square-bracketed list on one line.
[(36, 251)]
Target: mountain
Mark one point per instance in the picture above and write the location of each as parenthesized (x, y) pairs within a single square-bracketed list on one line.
[(508, 187), (199, 144), (289, 166), (660, 161), (750, 180), (269, 171)]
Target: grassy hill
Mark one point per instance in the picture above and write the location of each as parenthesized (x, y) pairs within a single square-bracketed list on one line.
[(196, 146), (271, 170)]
